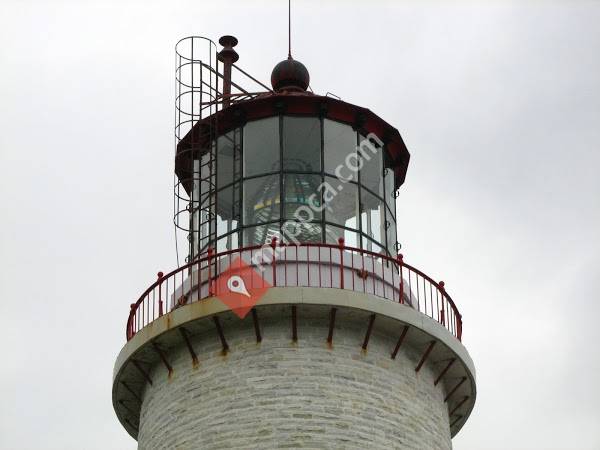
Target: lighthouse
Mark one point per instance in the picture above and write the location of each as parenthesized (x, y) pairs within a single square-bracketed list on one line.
[(293, 321)]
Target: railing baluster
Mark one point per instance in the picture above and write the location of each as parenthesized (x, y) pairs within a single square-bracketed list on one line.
[(331, 266), (341, 245), (441, 285), (400, 264), (437, 301), (419, 295), (308, 263), (284, 251), (273, 258), (352, 271), (169, 308), (297, 265), (373, 272), (160, 302), (319, 265), (210, 254), (431, 303)]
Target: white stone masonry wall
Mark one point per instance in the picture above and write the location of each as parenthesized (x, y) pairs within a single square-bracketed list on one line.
[(280, 394)]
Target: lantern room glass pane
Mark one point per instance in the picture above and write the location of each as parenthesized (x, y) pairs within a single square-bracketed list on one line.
[(392, 237), (302, 144), (295, 232), (261, 200), (261, 147), (261, 234), (227, 210), (333, 234), (372, 217), (341, 204), (228, 158), (202, 216), (371, 173), (302, 199), (229, 242), (388, 180), (372, 246), (339, 142), (201, 177)]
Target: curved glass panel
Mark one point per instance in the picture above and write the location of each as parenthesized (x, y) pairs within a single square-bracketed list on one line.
[(371, 173), (261, 200), (225, 214), (341, 205), (339, 141), (372, 217), (284, 173), (302, 144), (228, 158), (202, 204), (229, 242), (302, 199), (297, 232), (261, 147), (392, 237), (372, 246), (388, 181), (333, 234), (261, 234)]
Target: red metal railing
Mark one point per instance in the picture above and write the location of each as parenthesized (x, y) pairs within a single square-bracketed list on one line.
[(304, 265)]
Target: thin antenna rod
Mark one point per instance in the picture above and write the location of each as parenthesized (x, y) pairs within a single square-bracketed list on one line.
[(290, 29)]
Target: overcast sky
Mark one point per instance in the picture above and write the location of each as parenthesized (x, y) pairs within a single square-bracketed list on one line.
[(498, 103)]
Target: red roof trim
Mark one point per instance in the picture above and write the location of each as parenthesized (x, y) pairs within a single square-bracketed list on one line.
[(305, 104)]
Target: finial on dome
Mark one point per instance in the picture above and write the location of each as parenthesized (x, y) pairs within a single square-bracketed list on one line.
[(290, 74)]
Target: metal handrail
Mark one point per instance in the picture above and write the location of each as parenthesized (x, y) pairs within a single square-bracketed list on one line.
[(347, 268)]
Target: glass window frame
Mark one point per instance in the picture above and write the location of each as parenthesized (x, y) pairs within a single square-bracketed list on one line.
[(283, 137), (387, 198), (245, 150)]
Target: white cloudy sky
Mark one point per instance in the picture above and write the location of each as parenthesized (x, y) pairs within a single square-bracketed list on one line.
[(498, 102)]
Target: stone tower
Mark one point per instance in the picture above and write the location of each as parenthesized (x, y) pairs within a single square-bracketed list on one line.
[(294, 322)]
